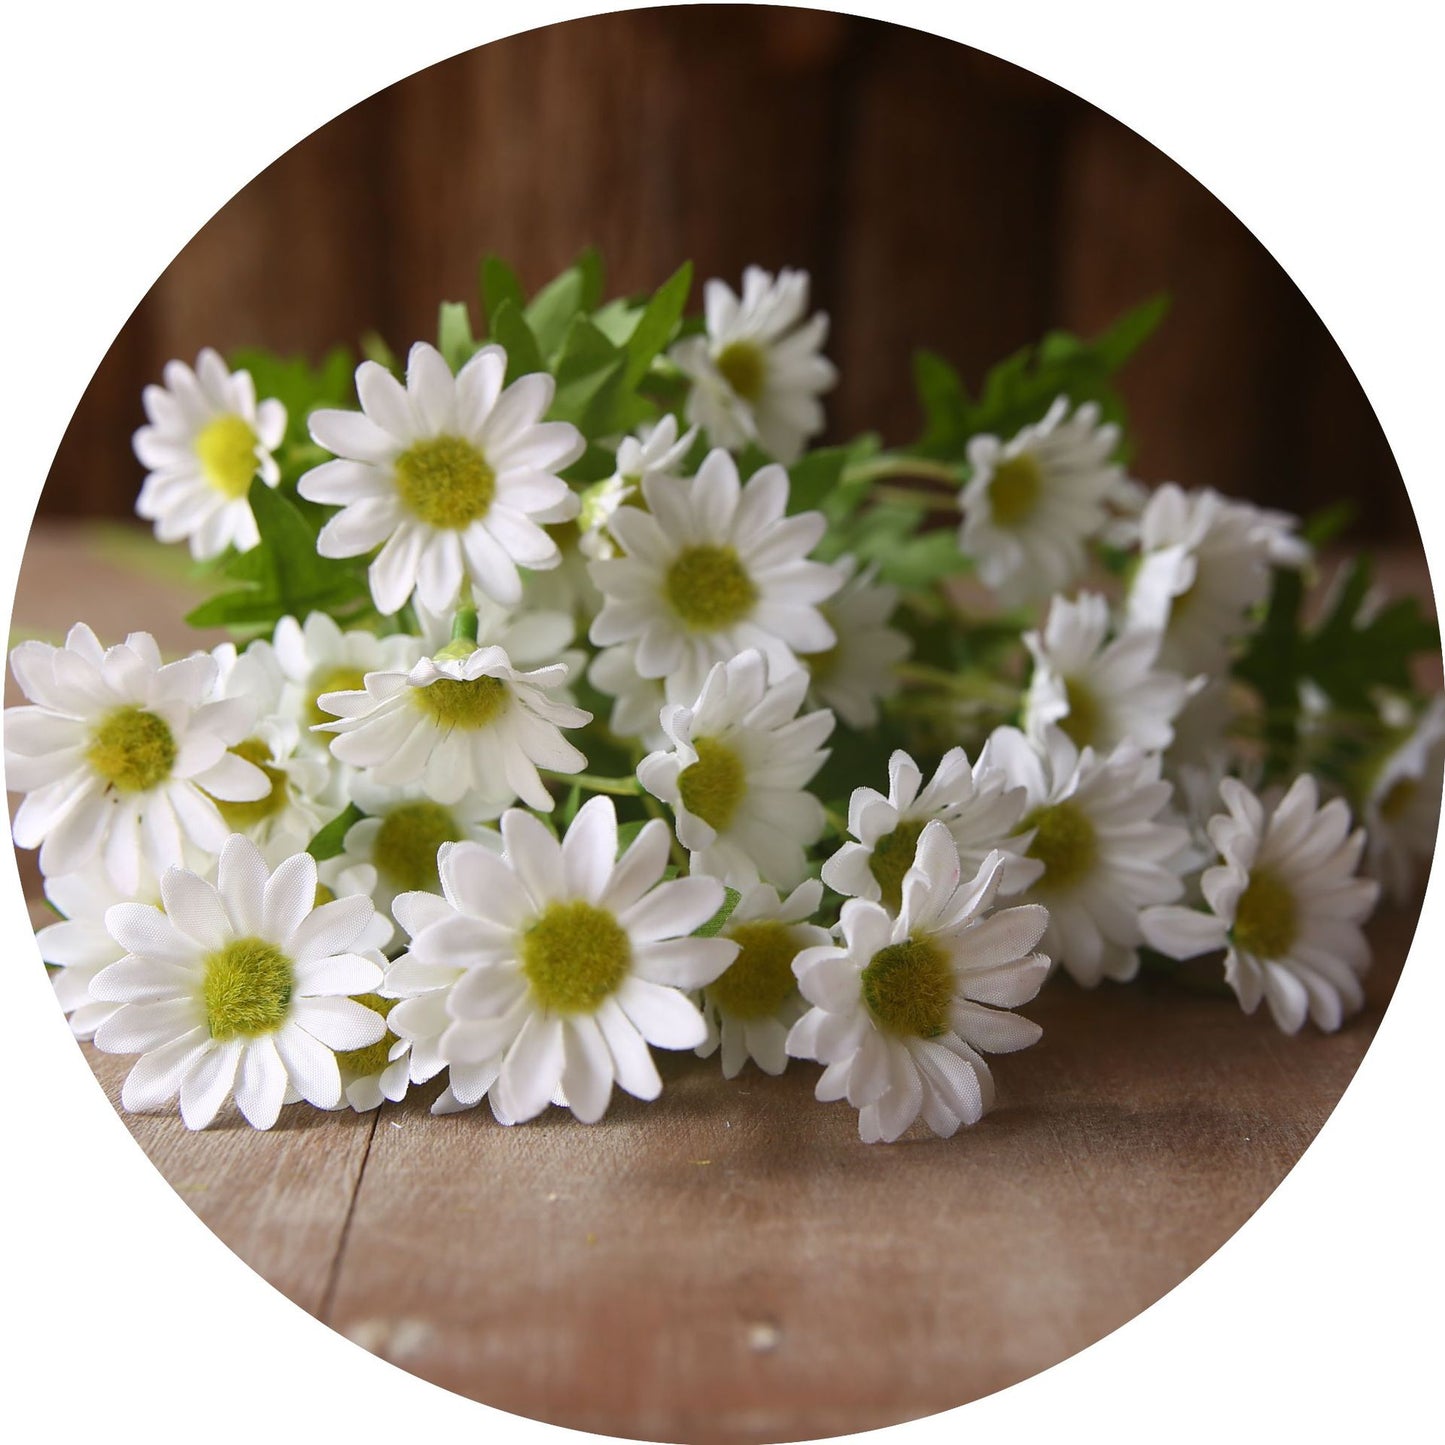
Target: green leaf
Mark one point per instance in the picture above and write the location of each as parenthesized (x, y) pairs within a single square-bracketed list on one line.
[(551, 310), (658, 323), (454, 334), (510, 331), (499, 284), (716, 924), (329, 842), (590, 371), (299, 386), (815, 477), (571, 805), (945, 405), (1131, 331), (589, 266)]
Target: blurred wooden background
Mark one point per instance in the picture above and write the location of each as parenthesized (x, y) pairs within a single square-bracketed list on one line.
[(940, 198)]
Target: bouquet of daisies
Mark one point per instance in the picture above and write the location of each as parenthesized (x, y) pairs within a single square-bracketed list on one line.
[(577, 708)]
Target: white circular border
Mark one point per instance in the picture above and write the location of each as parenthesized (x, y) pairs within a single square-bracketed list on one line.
[(127, 127)]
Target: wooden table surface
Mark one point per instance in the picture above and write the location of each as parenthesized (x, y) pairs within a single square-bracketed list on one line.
[(730, 1263)]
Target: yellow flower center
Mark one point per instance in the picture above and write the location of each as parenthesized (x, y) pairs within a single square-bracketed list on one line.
[(240, 816), (226, 450), (893, 856), (132, 749), (1064, 842), (744, 367), (714, 785), (336, 679), (709, 588), (1081, 724), (1013, 491), (445, 481), (362, 1063), (246, 989), (324, 894), (908, 988), (759, 981), (822, 665), (405, 847), (574, 956), (1266, 921), (468, 705)]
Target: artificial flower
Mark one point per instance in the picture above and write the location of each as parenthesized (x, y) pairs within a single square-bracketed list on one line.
[(1402, 804), (655, 452), (860, 670), (637, 701)]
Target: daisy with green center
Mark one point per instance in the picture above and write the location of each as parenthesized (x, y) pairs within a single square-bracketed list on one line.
[(903, 1008), (656, 452), (557, 965), (860, 670), (759, 370), (981, 811), (750, 1007), (205, 441), (711, 569), (1284, 902), (380, 1072), (1094, 822), (1205, 565), (1402, 804), (465, 721), (452, 477), (123, 757), (737, 772), (1097, 691), (239, 988), (1033, 502)]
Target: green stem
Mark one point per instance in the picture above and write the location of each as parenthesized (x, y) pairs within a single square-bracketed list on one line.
[(616, 787), (916, 497), (464, 625), (876, 468), (976, 686)]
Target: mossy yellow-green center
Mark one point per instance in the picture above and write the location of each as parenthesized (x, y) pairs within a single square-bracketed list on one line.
[(334, 679), (893, 856), (1014, 489), (759, 981), (226, 450), (822, 665), (132, 749), (1266, 920), (744, 367), (445, 481), (574, 956), (362, 1063), (241, 816), (709, 588), (469, 705), (713, 786), (246, 989), (908, 988), (1081, 724), (1064, 842), (405, 848)]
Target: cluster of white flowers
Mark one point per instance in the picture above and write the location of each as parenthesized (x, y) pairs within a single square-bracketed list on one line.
[(379, 846)]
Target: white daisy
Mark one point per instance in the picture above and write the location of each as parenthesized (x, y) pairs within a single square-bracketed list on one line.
[(1095, 823), (736, 774), (752, 1004), (655, 452), (903, 1008), (978, 806), (1205, 565), (122, 756), (574, 961), (1098, 692), (207, 439), (379, 1072), (1402, 807), (637, 701), (453, 474), (861, 669), (531, 637), (463, 721), (239, 987), (758, 372), (1284, 901), (1031, 503), (710, 570)]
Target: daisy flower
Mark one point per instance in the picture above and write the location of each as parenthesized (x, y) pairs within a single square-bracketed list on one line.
[(655, 452), (860, 669), (750, 1007), (463, 721), (1095, 825), (531, 637), (1100, 693), (1031, 503), (903, 1008), (637, 701), (240, 987), (1402, 807), (1205, 565), (123, 757), (1285, 903), (205, 442), (977, 805), (758, 372), (450, 475), (736, 774), (574, 960), (710, 570), (376, 1073)]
